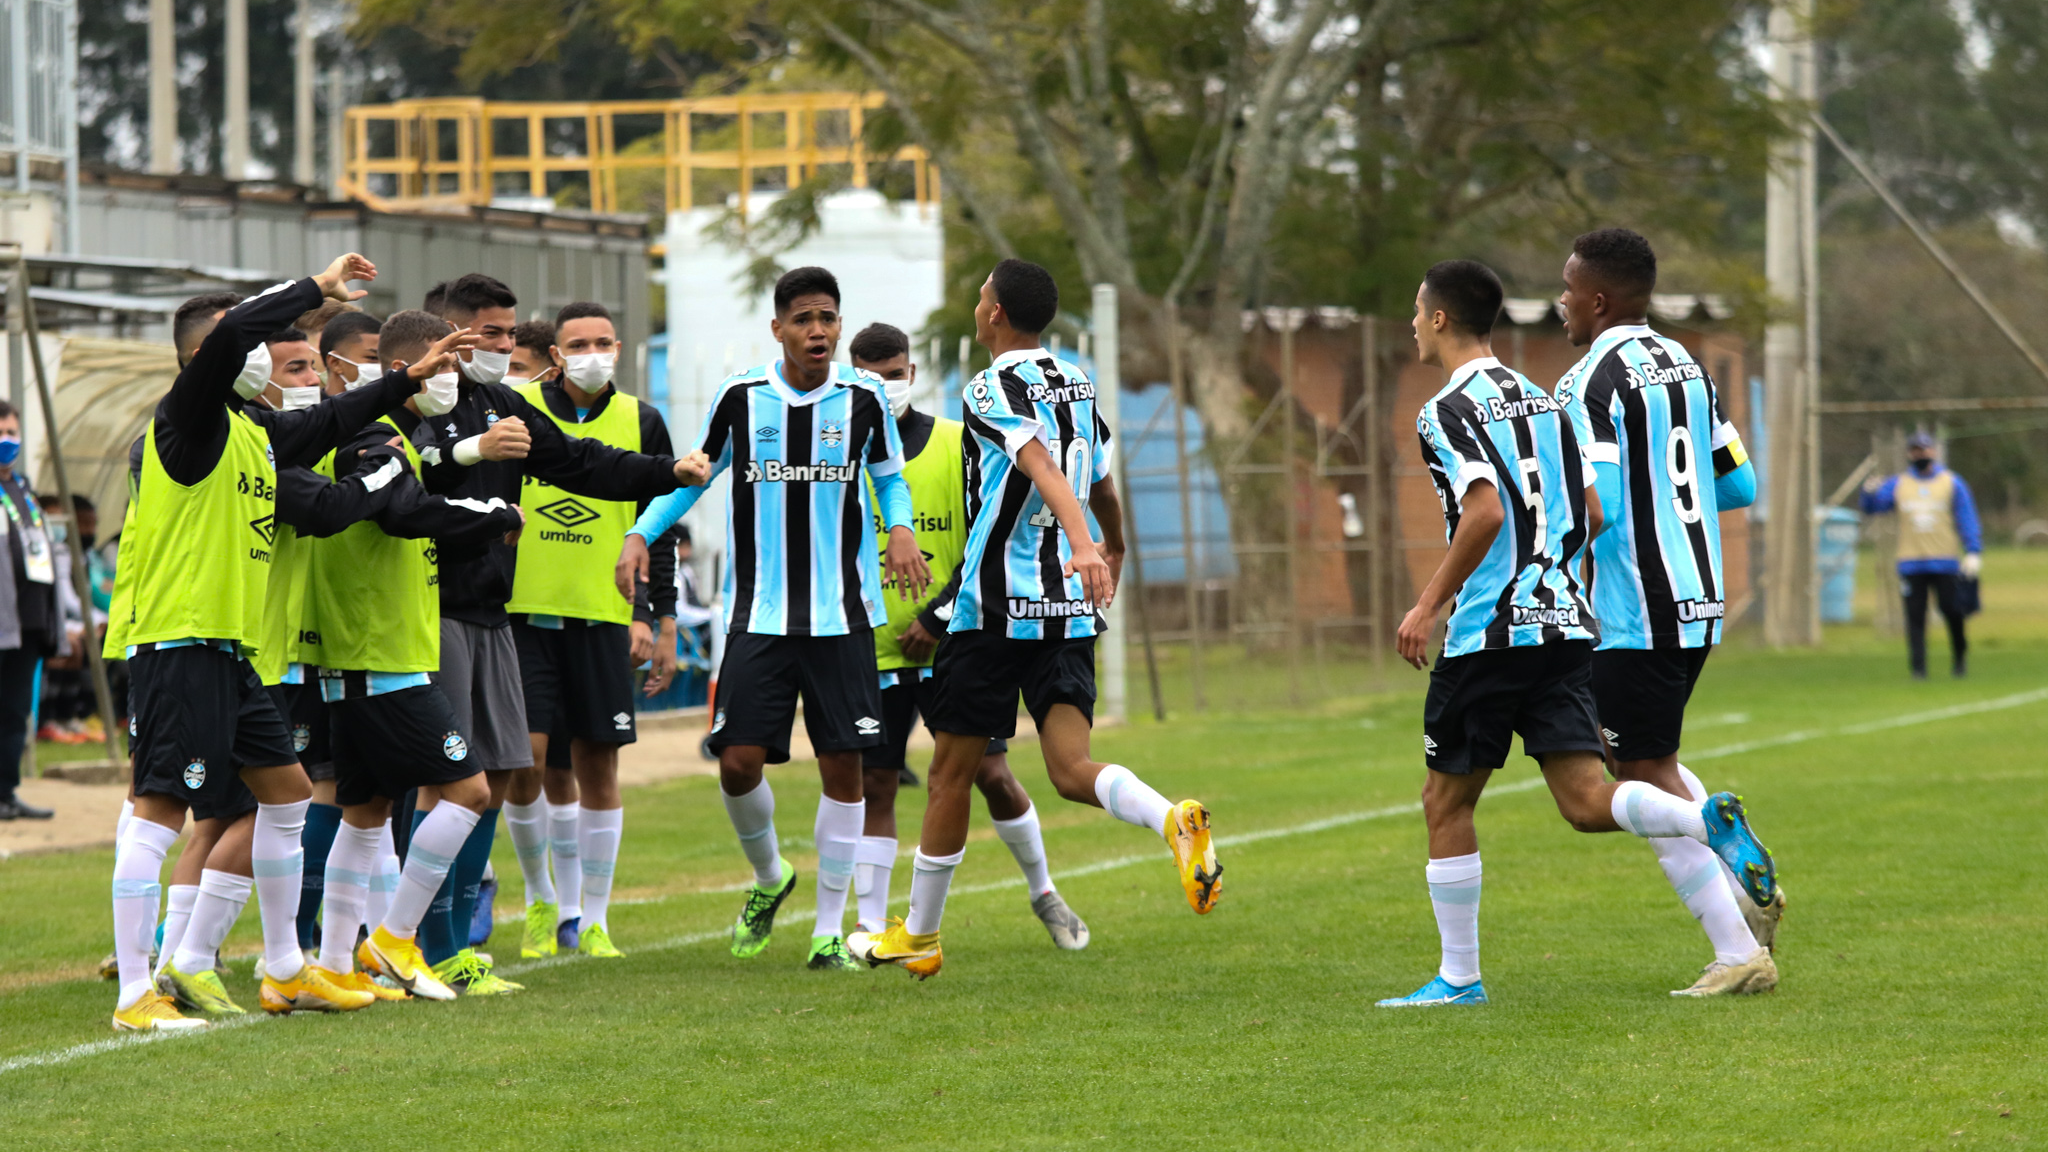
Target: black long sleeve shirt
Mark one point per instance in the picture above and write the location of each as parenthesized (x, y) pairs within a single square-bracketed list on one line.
[(411, 512)]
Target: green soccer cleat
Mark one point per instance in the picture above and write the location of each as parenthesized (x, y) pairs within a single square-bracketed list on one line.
[(201, 991), (757, 920), (829, 954), (472, 974), (539, 940), (597, 943)]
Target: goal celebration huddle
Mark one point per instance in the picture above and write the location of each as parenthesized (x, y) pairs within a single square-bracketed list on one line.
[(351, 646)]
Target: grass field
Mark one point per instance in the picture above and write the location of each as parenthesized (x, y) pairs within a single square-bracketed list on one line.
[(1907, 818)]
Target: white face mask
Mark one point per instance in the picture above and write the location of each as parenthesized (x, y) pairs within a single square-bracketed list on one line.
[(439, 398), (899, 396), (296, 398), (362, 374), (591, 371), (516, 381), (486, 367), (255, 375)]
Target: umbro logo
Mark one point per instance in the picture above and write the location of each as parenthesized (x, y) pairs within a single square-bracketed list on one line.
[(1429, 745), (568, 513), (623, 721), (266, 527), (767, 431), (868, 725), (1613, 737)]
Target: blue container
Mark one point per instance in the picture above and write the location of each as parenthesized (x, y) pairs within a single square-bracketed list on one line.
[(1835, 559)]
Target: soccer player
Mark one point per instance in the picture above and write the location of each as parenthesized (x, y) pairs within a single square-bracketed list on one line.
[(1025, 620), (532, 362), (578, 643), (187, 614), (484, 449), (1650, 421), (933, 467), (1941, 545), (803, 593), (348, 352), (1519, 506), (374, 604)]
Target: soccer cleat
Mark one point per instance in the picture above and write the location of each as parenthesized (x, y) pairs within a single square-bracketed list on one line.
[(310, 991), (1187, 833), (387, 955), (1069, 932), (540, 939), (598, 942), (1729, 835), (569, 934), (1764, 919), (154, 1012), (1759, 973), (361, 982), (1438, 993), (829, 954), (471, 971), (201, 991), (918, 955), (110, 968), (757, 920), (480, 924)]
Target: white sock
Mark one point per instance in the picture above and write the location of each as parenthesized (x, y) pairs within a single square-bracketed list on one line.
[(279, 862), (347, 899), (528, 824), (599, 830), (178, 903), (427, 861), (1648, 810), (1027, 844), (222, 896), (1701, 881), (1130, 799), (753, 817), (568, 859), (837, 834), (873, 859), (138, 887), (1454, 893), (121, 825), (1700, 793), (930, 876), (384, 880)]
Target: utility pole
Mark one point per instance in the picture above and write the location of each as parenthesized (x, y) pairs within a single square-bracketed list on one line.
[(163, 86), (237, 126), (1791, 347), (337, 166), (1108, 402), (302, 97)]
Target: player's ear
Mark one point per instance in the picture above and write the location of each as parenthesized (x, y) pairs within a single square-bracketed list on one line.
[(555, 354)]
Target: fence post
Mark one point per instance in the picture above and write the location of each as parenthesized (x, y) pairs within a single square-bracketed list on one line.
[(1108, 402)]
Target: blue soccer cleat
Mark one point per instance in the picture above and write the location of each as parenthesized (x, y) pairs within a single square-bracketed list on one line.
[(569, 934), (1439, 992), (480, 918), (1729, 835)]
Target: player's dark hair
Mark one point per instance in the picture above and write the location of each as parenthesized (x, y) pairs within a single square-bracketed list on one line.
[(194, 319), (1621, 259), (878, 342), (806, 281), (470, 294), (1466, 291), (7, 410), (1028, 294), (435, 299), (583, 310), (535, 336), (408, 335), (346, 327), (284, 336)]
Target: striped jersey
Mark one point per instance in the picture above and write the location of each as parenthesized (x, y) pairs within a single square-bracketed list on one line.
[(1011, 577), (802, 559), (1490, 423), (1639, 401)]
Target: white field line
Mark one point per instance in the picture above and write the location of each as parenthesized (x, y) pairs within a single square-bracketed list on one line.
[(1909, 719)]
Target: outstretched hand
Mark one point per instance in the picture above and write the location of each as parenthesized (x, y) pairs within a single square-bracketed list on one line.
[(693, 469), (350, 266), (905, 564), (441, 356), (507, 439), (1098, 584)]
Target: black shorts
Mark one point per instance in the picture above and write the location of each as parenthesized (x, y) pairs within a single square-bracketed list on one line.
[(393, 741), (1478, 702), (1642, 693), (306, 714), (761, 677), (902, 703), (981, 673), (578, 679), (200, 716)]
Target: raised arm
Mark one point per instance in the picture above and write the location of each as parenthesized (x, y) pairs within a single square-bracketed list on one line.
[(316, 506)]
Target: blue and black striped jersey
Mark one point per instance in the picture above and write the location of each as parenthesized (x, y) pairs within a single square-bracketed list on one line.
[(1012, 576), (1490, 423), (803, 559), (1640, 401)]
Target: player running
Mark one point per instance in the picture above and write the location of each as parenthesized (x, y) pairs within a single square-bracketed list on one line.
[(803, 593), (933, 467), (1650, 422), (1025, 620), (1519, 506)]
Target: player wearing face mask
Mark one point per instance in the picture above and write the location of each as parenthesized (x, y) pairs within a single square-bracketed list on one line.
[(348, 352)]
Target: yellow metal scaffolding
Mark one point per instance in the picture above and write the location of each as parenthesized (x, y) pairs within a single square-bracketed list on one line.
[(469, 151)]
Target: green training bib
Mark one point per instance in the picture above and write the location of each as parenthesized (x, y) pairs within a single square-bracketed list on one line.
[(938, 502), (571, 543)]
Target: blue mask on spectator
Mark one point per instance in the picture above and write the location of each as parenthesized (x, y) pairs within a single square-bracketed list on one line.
[(10, 449)]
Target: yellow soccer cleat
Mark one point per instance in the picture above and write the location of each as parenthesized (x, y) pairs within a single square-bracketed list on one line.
[(361, 982), (310, 991), (201, 992), (539, 939), (598, 942), (918, 955), (470, 970), (154, 1012), (1187, 833), (387, 955)]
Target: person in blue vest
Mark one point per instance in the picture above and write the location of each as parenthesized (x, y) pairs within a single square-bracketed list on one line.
[(1941, 547)]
